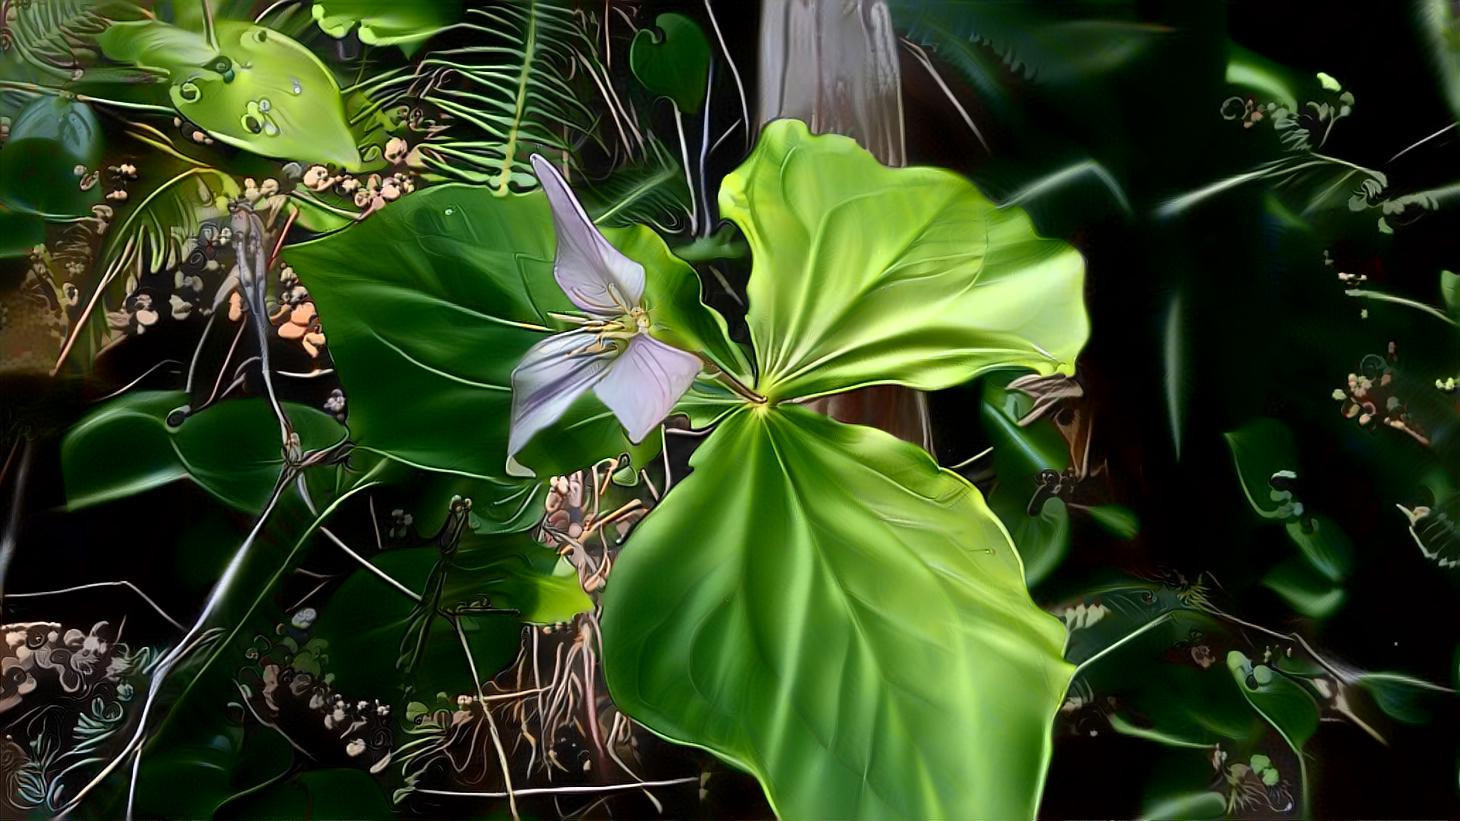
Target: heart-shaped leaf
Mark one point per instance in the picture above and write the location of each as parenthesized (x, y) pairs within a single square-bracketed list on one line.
[(673, 62), (820, 604), (259, 90), (866, 274), (431, 304)]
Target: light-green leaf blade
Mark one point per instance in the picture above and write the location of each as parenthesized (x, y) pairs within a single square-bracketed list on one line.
[(823, 606), (866, 274)]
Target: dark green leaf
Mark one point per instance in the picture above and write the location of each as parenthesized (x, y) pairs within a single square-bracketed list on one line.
[(1260, 449), (318, 795), (367, 619), (232, 450), (50, 140), (1020, 454), (1278, 699), (674, 61), (1303, 588), (429, 306)]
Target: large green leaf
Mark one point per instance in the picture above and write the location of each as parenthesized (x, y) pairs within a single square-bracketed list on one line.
[(404, 23), (431, 304), (866, 274), (231, 450), (823, 606), (259, 90)]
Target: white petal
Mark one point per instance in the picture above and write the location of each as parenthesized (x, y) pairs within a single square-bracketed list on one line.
[(644, 382), (594, 275), (551, 376)]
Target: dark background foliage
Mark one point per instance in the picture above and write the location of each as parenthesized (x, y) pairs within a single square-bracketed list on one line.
[(1266, 331)]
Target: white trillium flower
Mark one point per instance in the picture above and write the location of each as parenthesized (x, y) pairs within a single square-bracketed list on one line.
[(638, 377)]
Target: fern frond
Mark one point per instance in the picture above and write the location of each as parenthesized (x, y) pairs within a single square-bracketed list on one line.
[(58, 37), (506, 96), (652, 192), (163, 220)]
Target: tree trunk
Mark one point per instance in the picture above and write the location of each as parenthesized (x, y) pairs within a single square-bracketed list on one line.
[(833, 64)]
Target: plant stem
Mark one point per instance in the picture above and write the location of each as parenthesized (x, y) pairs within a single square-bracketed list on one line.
[(740, 388)]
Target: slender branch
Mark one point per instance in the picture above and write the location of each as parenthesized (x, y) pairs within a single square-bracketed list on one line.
[(1380, 296), (93, 585), (12, 524), (595, 788), (734, 72), (689, 178), (739, 387), (491, 723), (1104, 651)]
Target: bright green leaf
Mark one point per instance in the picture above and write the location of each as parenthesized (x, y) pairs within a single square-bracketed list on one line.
[(820, 604), (865, 274), (232, 449), (672, 297), (674, 61), (259, 91)]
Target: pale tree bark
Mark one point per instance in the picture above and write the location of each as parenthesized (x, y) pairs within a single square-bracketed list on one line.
[(833, 64)]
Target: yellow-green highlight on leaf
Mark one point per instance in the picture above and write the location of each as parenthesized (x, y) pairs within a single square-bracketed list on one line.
[(403, 23), (865, 274), (260, 91), (823, 606)]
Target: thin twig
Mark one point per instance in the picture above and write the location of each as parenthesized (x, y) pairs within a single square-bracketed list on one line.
[(491, 723), (93, 585), (668, 782), (12, 524)]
